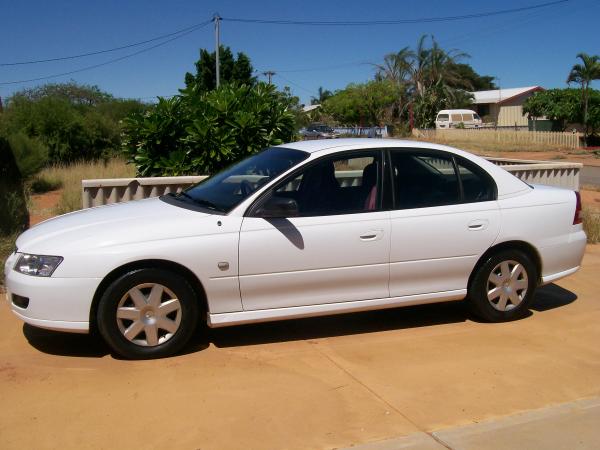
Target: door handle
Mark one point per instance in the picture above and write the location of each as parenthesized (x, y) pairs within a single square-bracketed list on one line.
[(477, 225), (371, 235)]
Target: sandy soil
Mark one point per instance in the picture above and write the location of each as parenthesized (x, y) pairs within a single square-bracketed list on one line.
[(314, 383)]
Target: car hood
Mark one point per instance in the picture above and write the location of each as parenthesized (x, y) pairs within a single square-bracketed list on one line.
[(110, 225)]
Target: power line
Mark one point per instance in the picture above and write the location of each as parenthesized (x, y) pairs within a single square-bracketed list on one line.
[(99, 52), (110, 61), (297, 85), (393, 21)]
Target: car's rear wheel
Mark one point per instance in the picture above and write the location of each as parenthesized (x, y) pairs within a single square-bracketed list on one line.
[(503, 286), (148, 313)]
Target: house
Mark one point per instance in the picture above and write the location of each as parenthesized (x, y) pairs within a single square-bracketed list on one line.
[(504, 106)]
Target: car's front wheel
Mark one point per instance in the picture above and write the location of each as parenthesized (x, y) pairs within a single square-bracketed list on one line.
[(147, 313), (503, 286)]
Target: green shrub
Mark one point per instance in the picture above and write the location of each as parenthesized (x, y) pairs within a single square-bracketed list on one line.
[(202, 132), (41, 184), (30, 153), (14, 216)]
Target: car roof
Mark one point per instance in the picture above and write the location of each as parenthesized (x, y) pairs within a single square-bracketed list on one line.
[(458, 111), (319, 145)]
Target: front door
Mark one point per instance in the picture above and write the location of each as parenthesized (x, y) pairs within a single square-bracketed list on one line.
[(335, 250)]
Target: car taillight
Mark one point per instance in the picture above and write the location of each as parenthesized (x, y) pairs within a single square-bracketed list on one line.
[(578, 214)]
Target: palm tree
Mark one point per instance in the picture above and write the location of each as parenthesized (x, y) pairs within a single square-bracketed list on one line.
[(323, 94), (583, 74)]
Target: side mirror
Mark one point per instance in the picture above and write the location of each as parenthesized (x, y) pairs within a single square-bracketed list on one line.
[(278, 207)]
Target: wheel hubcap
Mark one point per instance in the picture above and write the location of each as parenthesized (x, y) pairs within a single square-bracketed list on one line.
[(507, 285), (149, 314)]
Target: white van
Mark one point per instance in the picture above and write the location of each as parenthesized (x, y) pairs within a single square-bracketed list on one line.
[(450, 118)]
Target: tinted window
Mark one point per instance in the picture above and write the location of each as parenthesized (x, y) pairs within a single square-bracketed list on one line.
[(476, 184), (424, 179), (442, 117), (337, 185)]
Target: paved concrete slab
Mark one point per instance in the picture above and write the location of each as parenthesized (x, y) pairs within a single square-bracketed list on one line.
[(415, 441), (570, 426)]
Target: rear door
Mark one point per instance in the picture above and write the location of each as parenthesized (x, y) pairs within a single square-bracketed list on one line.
[(445, 216)]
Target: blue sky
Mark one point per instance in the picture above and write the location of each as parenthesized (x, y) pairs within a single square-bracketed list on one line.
[(528, 48)]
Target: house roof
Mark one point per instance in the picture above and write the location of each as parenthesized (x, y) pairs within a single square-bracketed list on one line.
[(308, 108), (502, 95)]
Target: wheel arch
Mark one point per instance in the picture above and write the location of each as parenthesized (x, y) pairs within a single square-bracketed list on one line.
[(147, 264), (523, 246)]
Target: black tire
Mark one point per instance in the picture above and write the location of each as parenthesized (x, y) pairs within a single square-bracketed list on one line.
[(491, 310), (186, 316)]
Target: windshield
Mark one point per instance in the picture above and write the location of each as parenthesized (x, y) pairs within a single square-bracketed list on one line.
[(225, 190)]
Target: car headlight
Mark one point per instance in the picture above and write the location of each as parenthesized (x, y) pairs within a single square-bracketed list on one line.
[(37, 265)]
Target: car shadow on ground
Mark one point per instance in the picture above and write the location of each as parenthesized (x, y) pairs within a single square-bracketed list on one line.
[(547, 297), (91, 346)]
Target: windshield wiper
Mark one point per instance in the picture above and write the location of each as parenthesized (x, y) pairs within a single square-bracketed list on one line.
[(200, 201)]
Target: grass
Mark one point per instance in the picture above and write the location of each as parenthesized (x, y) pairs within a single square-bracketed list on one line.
[(70, 178), (41, 184), (591, 225)]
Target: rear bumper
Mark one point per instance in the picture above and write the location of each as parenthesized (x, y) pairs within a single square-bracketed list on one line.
[(564, 258)]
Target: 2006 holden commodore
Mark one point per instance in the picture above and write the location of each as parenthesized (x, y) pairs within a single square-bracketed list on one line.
[(303, 229)]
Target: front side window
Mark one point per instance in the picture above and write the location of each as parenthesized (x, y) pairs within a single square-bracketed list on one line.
[(336, 185), (225, 190)]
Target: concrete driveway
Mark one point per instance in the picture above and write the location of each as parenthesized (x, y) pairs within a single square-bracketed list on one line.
[(315, 383)]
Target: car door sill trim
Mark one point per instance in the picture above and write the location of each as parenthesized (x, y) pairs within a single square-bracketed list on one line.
[(297, 312)]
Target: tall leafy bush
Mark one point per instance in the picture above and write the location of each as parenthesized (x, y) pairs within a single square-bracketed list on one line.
[(201, 132)]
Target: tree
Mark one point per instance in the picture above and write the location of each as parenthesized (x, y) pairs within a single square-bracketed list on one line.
[(231, 70), (60, 123), (13, 202), (202, 132), (368, 103), (563, 106), (323, 94), (583, 74), (471, 80), (428, 78)]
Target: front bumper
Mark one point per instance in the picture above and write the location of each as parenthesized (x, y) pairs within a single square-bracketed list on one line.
[(54, 303)]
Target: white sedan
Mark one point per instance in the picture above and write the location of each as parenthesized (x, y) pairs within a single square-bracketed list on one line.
[(303, 229)]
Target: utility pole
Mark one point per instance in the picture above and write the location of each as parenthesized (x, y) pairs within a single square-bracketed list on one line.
[(217, 19), (269, 74)]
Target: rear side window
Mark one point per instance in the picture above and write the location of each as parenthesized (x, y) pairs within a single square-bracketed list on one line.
[(423, 180), (477, 185), (467, 117), (456, 117)]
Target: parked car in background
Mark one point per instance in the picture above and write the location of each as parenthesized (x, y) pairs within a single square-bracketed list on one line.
[(453, 118), (298, 230), (318, 131)]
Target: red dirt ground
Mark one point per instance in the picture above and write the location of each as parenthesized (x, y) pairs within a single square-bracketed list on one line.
[(42, 206)]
